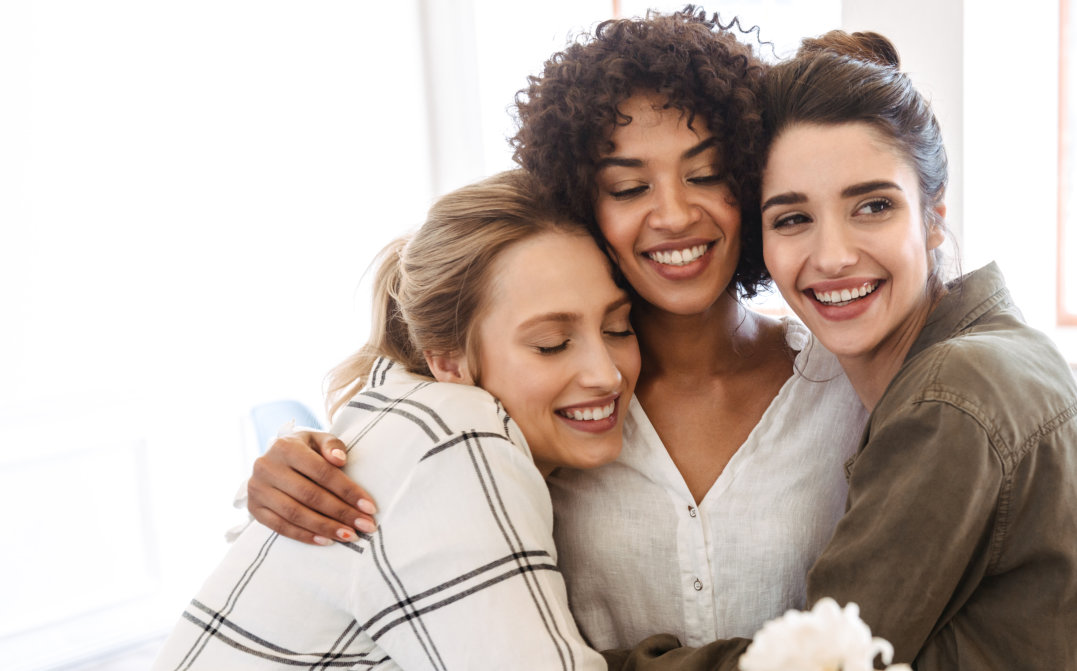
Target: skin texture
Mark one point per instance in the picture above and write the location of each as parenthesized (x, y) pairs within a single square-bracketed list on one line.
[(547, 354), (711, 368), (841, 211), (661, 189)]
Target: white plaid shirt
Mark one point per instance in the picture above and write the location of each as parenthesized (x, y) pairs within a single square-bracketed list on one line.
[(461, 573)]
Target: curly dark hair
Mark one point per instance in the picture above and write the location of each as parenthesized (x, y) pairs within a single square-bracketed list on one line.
[(567, 113)]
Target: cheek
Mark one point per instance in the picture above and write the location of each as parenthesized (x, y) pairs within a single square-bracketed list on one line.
[(613, 224), (771, 252), (497, 370), (627, 359), (781, 258)]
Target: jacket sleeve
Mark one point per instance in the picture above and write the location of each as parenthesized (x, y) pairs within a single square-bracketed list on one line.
[(916, 535), (663, 652)]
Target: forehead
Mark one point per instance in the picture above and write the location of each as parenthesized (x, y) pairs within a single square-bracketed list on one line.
[(818, 157), (651, 120), (549, 272)]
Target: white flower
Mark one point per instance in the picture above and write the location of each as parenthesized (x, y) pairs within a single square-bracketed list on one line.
[(828, 638)]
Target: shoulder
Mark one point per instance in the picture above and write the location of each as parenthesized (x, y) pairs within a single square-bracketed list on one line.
[(1008, 377), (818, 383), (417, 444), (402, 401), (407, 423)]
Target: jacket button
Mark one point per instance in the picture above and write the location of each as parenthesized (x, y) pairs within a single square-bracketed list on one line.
[(697, 584)]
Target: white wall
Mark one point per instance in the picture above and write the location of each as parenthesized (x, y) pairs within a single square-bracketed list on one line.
[(191, 192), (1011, 128), (929, 35)]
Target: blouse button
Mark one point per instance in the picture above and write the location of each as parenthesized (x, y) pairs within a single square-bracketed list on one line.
[(697, 584), (691, 511)]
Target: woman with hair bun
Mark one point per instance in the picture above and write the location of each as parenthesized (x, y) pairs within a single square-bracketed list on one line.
[(959, 540), (462, 570)]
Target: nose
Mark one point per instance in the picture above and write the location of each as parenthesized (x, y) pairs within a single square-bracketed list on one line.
[(835, 247), (673, 211), (598, 368)]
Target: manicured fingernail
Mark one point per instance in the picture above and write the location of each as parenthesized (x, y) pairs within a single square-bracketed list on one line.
[(365, 525), (346, 535), (322, 541), (340, 454), (367, 507)]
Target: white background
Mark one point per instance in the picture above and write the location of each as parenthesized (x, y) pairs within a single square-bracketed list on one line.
[(190, 193)]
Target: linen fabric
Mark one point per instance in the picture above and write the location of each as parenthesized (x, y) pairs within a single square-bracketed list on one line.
[(461, 573), (960, 538), (640, 557)]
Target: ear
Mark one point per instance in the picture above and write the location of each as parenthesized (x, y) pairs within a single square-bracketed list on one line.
[(449, 367), (936, 235)]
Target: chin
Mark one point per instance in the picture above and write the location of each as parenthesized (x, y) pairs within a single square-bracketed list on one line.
[(594, 458)]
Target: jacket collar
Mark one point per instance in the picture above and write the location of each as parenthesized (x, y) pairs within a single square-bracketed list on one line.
[(966, 299)]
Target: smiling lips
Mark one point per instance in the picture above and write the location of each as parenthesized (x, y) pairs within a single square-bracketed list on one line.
[(589, 414), (677, 257), (839, 298)]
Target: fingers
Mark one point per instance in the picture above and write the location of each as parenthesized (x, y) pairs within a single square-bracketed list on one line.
[(297, 493), (286, 528), (294, 489), (295, 519), (332, 448), (334, 452)]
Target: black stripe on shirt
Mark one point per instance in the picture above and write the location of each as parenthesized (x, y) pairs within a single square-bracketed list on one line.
[(230, 603), (394, 410), (462, 578), (512, 572), (504, 521), (334, 655), (421, 406), (343, 661), (393, 582), (367, 425), (463, 438)]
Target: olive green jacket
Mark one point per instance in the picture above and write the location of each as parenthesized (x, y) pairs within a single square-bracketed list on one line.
[(959, 541)]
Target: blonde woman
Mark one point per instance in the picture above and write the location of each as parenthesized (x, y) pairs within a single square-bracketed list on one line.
[(472, 389)]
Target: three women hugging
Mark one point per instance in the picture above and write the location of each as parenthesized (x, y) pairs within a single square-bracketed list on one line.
[(564, 400)]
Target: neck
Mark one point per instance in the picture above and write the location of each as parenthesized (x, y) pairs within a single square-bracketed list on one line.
[(715, 341), (871, 373)]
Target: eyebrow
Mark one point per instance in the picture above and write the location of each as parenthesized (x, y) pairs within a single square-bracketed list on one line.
[(788, 198), (568, 317), (692, 152), (795, 197), (868, 187)]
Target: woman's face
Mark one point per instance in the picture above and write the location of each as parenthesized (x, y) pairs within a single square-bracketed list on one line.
[(666, 210), (844, 237), (556, 347)]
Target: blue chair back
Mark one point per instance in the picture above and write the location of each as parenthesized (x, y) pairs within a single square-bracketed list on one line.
[(269, 417)]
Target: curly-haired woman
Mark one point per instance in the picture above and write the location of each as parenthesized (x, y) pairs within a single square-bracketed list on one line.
[(731, 478)]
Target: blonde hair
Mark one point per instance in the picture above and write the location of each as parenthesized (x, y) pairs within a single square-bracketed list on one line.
[(431, 286)]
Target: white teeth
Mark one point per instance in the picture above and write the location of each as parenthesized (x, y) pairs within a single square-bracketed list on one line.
[(845, 295), (589, 414), (679, 257)]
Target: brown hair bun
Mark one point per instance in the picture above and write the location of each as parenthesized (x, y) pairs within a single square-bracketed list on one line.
[(867, 46)]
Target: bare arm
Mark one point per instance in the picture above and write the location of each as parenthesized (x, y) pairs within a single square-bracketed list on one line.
[(298, 490)]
